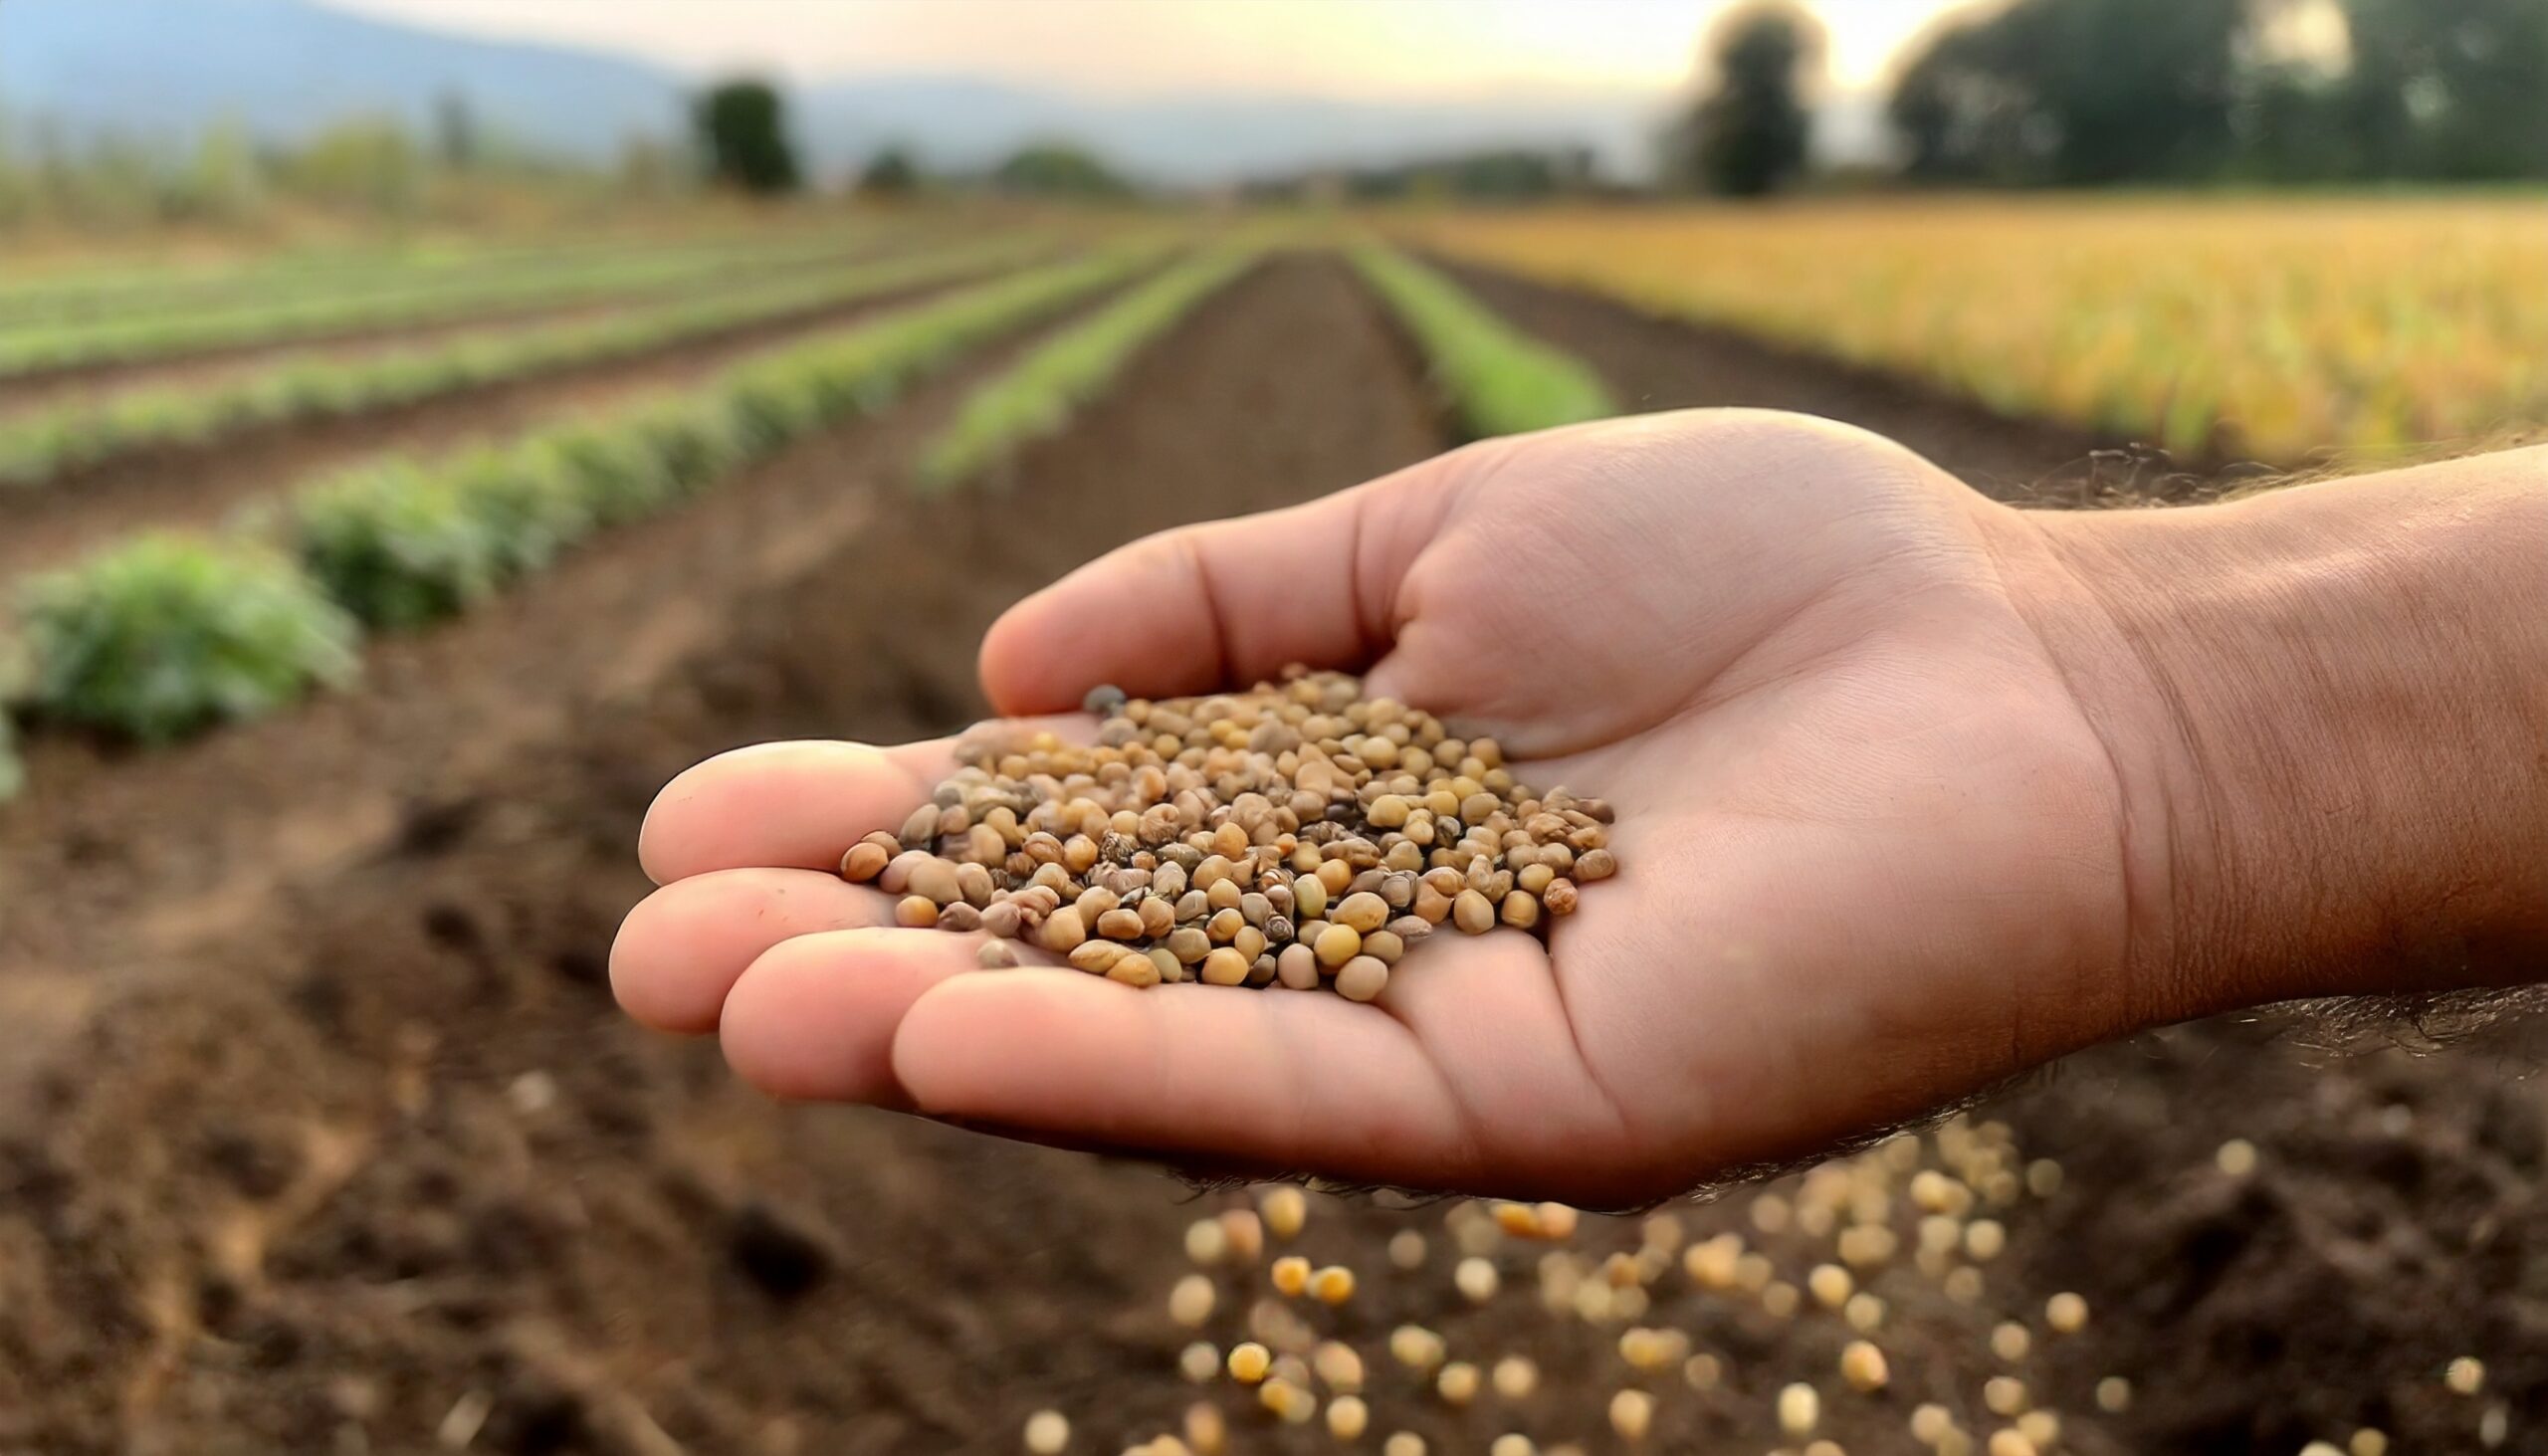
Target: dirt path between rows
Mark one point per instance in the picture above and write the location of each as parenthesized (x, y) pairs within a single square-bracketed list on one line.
[(204, 485)]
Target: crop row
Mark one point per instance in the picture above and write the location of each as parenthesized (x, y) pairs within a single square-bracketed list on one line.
[(1496, 379), (2277, 329), (41, 446), (1044, 390), (292, 313), (167, 635), (161, 287)]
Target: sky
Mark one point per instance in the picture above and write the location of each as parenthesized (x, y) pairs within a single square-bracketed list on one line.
[(1366, 50)]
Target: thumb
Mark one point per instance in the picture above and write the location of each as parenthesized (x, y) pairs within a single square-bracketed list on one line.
[(1226, 603)]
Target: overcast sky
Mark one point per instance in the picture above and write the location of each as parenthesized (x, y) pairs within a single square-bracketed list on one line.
[(1364, 49)]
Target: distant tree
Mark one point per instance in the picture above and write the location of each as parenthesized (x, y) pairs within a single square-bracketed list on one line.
[(1750, 133), (742, 133), (456, 144), (1059, 169), (2446, 88), (891, 172)]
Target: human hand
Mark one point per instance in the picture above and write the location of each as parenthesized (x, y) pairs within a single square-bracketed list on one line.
[(1895, 821)]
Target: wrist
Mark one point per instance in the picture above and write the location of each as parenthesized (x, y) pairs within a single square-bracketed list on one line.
[(2327, 708)]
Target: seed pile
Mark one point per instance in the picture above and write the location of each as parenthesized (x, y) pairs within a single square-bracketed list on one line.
[(1298, 834)]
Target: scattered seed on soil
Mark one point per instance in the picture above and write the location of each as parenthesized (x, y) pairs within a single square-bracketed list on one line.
[(1048, 1433), (2003, 1395), (2465, 1375), (2009, 1341), (1190, 1303), (1285, 1209), (1477, 1280), (1403, 1443), (1515, 1377), (1347, 1417), (1864, 1366), (1333, 1284), (1415, 1347), (1199, 1362), (2041, 1427), (1249, 1362), (1206, 1429), (1631, 1414), (1457, 1383), (1290, 1276), (2010, 1441), (1799, 1409), (2237, 1158), (2065, 1312), (1233, 829)]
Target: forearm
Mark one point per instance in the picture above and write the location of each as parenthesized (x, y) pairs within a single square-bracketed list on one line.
[(2328, 709)]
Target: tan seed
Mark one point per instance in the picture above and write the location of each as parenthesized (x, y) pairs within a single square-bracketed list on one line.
[(917, 912), (1363, 979), (1224, 967), (1474, 912), (1337, 945), (864, 862)]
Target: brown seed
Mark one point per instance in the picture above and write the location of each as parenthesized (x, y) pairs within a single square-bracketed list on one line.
[(1362, 978), (995, 956), (864, 862), (1474, 912), (1384, 946), (1120, 924), (1596, 863), (1364, 913), (1133, 969), (1225, 967), (920, 831), (1159, 918), (960, 918), (1296, 966), (1189, 945), (1337, 944), (1559, 898), (1063, 931), (1521, 909), (1095, 957), (1309, 898), (917, 912)]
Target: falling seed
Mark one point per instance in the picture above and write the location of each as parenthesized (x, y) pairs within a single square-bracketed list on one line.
[(1242, 1235), (1285, 1209), (1929, 1423), (1631, 1414), (1206, 1431), (1863, 1312), (1347, 1417), (1403, 1443), (1206, 1242), (1864, 1366), (2040, 1427), (1249, 1362), (1406, 1250), (2065, 1312), (1190, 1303), (1198, 1362), (2465, 1375), (2322, 1448), (2011, 1341), (1290, 1276), (1781, 1300), (1703, 1371), (2237, 1158), (2043, 1177), (2493, 1427), (1771, 1213), (1799, 1409), (1415, 1347), (1515, 1377), (1511, 1443), (2368, 1441), (1964, 1284), (1457, 1383), (1984, 1239), (2114, 1396), (2003, 1395), (1830, 1285), (1476, 1280), (1290, 1404), (1338, 1367), (1048, 1433), (2010, 1441), (1333, 1284)]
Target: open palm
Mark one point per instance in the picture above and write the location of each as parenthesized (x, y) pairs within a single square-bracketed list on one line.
[(1872, 851)]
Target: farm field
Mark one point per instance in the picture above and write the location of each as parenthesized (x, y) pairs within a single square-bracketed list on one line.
[(321, 1132), (2273, 327)]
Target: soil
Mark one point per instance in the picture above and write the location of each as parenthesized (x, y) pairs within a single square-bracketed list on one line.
[(203, 485), (325, 1135)]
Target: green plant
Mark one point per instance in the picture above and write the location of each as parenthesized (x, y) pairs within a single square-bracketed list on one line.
[(168, 634), (395, 545), (1500, 382), (1040, 394), (525, 502), (13, 774)]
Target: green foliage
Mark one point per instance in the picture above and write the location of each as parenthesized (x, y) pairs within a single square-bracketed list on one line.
[(526, 502), (395, 545), (1498, 381), (1059, 169), (1039, 396), (743, 131), (166, 634), (1748, 135), (13, 774), (611, 472), (890, 173), (42, 444)]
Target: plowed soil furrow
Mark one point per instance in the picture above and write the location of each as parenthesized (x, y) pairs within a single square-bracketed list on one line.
[(202, 484), (649, 1247), (1660, 364)]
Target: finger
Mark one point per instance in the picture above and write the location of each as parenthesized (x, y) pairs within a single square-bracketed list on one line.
[(813, 1018), (1226, 603), (1307, 1082), (793, 805), (683, 947)]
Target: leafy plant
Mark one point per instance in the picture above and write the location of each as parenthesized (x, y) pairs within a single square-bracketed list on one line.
[(525, 502), (13, 774), (168, 634), (394, 545), (1500, 382)]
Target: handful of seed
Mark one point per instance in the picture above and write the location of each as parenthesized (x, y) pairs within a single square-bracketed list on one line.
[(1297, 833)]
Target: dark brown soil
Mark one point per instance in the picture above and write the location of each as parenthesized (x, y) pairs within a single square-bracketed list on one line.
[(328, 1138), (201, 485)]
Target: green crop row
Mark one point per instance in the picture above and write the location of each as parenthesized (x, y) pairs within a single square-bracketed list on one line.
[(1498, 380), (1040, 394), (163, 288), (288, 314), (168, 635), (41, 446)]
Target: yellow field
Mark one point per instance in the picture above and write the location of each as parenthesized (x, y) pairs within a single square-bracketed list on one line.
[(2367, 323)]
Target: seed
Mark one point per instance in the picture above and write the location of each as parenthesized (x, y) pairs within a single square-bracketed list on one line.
[(864, 862), (1415, 1347), (1631, 1414), (1363, 979), (1403, 1443), (2066, 1312), (1095, 957), (1249, 1362), (1457, 1383), (1781, 1300), (1799, 1409), (2010, 1441), (1190, 1303), (1521, 910), (1515, 1377), (1556, 1220), (1120, 924), (1474, 912), (2004, 1394), (1337, 1366), (2237, 1158), (1333, 1284), (1063, 931), (1133, 969), (1964, 1284), (1363, 912), (1703, 1371), (1929, 1423), (1290, 1404), (1477, 1279), (1337, 945), (2369, 1442), (2011, 1341), (1512, 1443), (1224, 967), (1406, 1250), (2322, 1448), (917, 912), (1243, 1234), (1206, 1431), (1596, 863), (935, 878), (2114, 1396), (1290, 1275), (1864, 1312), (1830, 1285), (1824, 1448), (1983, 1238), (1864, 1366), (2465, 1375), (2041, 1427), (1285, 1208), (995, 956), (1199, 1362), (1347, 1417)]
